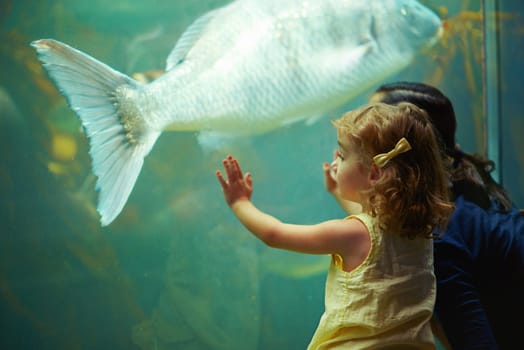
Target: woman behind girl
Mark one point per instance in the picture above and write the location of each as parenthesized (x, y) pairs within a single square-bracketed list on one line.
[(380, 288)]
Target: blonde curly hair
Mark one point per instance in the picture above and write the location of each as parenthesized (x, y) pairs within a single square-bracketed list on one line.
[(411, 197)]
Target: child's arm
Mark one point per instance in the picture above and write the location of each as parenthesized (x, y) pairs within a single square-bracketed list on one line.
[(345, 237)]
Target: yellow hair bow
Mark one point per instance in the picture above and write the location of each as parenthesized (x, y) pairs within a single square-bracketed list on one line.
[(401, 147)]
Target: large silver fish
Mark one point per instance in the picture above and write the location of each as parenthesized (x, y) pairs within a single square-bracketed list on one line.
[(248, 67)]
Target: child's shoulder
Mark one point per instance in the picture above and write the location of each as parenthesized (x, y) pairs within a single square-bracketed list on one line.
[(362, 218), (358, 225), (350, 226)]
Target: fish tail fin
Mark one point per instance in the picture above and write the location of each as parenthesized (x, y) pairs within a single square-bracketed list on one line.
[(105, 101)]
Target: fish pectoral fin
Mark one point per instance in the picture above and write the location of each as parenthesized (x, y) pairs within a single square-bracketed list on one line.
[(344, 59), (354, 55), (307, 119), (188, 39), (313, 119), (215, 140)]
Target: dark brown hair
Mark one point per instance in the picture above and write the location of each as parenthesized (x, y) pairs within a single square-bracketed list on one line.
[(470, 173)]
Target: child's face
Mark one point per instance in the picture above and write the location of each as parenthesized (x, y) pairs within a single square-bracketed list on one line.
[(350, 174)]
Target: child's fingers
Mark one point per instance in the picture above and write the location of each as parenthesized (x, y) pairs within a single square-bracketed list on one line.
[(249, 180), (232, 168), (221, 179), (233, 171), (229, 167), (236, 169)]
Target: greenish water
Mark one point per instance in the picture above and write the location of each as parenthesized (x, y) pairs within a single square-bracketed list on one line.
[(176, 270)]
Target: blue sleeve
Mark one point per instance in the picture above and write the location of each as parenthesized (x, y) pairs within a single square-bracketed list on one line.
[(458, 305), (479, 265)]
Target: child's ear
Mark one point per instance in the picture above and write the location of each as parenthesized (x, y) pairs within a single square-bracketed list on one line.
[(375, 173)]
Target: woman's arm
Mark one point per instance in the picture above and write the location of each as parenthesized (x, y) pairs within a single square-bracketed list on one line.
[(458, 306)]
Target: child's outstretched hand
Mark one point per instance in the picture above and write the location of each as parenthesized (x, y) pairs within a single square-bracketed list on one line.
[(237, 186), (329, 170)]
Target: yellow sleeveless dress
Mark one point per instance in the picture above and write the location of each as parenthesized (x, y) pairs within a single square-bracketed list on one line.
[(386, 302)]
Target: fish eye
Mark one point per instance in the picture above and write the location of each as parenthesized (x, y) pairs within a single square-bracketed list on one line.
[(408, 12)]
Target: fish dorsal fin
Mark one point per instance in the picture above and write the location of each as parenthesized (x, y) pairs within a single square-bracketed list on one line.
[(188, 39)]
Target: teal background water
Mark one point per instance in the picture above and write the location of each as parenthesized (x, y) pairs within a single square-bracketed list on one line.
[(176, 270)]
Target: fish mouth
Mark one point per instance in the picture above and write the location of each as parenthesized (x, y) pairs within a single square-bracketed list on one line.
[(438, 35)]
